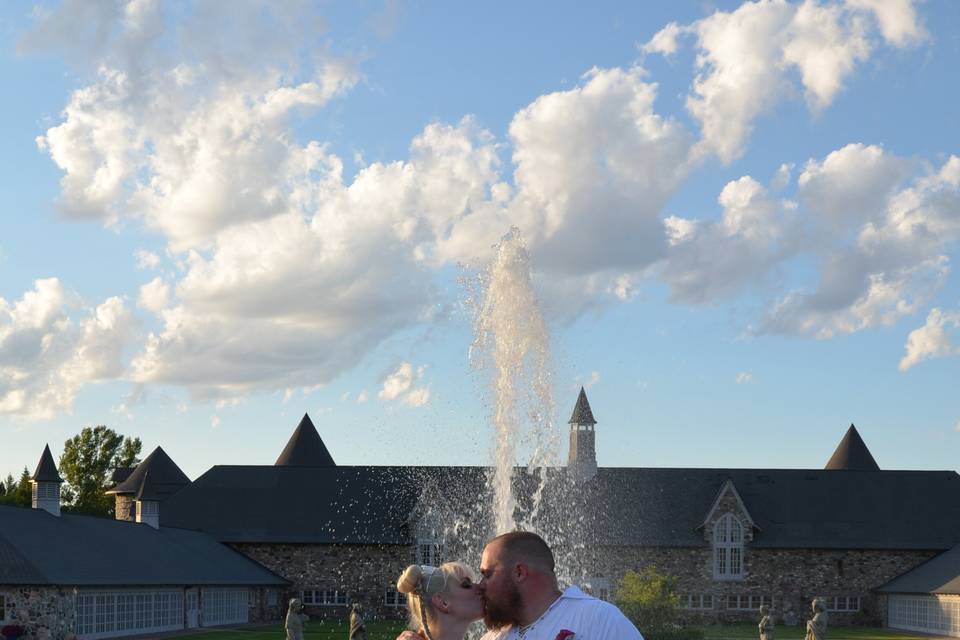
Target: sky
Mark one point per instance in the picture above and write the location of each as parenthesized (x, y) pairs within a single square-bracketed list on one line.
[(741, 218)]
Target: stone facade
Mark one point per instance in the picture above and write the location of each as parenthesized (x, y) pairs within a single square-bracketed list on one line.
[(364, 572), (46, 613), (791, 577), (125, 507)]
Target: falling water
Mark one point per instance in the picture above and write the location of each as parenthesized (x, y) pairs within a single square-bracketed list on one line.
[(512, 344)]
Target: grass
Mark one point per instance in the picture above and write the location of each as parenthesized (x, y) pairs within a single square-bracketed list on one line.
[(748, 631), (319, 630), (313, 630)]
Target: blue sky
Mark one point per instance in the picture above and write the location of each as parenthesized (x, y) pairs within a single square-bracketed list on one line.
[(742, 222)]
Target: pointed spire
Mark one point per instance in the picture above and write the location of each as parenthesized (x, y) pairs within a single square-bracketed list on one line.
[(148, 489), (166, 476), (852, 454), (581, 412), (305, 448), (46, 468)]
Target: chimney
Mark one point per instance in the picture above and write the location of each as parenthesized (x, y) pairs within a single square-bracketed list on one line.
[(46, 482)]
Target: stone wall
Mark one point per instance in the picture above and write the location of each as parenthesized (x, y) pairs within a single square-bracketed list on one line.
[(47, 613), (365, 572), (792, 577), (125, 507)]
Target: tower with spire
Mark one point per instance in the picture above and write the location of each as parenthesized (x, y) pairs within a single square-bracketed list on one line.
[(46, 483), (852, 454), (582, 461)]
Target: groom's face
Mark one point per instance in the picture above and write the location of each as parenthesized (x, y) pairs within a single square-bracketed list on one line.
[(502, 600)]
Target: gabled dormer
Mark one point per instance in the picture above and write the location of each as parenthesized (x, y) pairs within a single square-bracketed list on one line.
[(728, 526), (46, 483), (165, 475)]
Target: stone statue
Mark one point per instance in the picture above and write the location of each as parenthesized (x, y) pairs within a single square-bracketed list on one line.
[(357, 629), (817, 626), (295, 620), (766, 623)]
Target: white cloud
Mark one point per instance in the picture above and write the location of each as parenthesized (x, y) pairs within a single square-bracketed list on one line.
[(744, 377), (146, 259), (214, 422), (154, 296), (362, 397), (51, 344), (932, 340), (418, 397), (400, 385), (592, 380), (745, 59)]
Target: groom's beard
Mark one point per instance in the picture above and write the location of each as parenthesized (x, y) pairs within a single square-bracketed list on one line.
[(504, 611)]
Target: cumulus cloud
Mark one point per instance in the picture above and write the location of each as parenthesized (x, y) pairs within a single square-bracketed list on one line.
[(399, 385), (932, 340), (745, 58), (154, 296), (744, 377), (51, 344), (146, 259)]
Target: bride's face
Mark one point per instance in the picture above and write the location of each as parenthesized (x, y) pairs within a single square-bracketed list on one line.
[(463, 600)]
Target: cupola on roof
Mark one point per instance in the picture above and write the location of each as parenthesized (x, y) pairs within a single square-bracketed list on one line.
[(581, 412), (305, 448), (852, 454), (46, 468)]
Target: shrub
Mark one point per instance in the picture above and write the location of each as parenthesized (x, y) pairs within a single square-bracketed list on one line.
[(649, 598)]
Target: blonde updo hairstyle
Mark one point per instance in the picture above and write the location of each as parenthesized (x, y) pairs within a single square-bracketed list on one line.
[(421, 582)]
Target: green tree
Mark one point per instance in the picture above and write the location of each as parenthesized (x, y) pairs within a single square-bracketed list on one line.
[(649, 598), (89, 459), (18, 492)]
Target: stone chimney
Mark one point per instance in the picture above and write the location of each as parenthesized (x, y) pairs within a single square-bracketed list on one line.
[(46, 483), (582, 461)]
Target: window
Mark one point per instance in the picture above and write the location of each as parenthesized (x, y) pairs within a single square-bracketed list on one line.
[(430, 552), (252, 599), (271, 597), (4, 605), (746, 602), (224, 606), (324, 597), (118, 613), (843, 603), (728, 548), (598, 588), (394, 599), (697, 601)]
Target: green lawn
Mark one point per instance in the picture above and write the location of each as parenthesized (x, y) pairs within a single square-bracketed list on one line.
[(313, 630), (317, 630), (748, 631)]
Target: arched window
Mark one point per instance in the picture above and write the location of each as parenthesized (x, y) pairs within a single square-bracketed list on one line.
[(728, 548)]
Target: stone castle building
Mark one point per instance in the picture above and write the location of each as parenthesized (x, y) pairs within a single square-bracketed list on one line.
[(880, 546)]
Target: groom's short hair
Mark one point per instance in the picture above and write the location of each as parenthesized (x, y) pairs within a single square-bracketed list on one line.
[(528, 547)]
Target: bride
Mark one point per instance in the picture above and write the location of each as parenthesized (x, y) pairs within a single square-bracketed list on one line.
[(443, 601)]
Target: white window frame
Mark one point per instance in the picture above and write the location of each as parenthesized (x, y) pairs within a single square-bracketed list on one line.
[(842, 604), (728, 548), (124, 612), (393, 599), (697, 601), (933, 614), (748, 602), (430, 551), (324, 597)]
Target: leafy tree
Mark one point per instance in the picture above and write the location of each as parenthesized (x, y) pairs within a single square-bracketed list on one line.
[(18, 492), (88, 460), (649, 598), (3, 490)]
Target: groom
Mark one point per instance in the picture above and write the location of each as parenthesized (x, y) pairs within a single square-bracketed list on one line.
[(523, 602)]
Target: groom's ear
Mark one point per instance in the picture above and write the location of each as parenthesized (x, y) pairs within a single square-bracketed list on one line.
[(520, 572)]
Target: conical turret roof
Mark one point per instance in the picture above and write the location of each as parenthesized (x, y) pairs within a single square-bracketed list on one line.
[(148, 489), (165, 475), (852, 454), (305, 448), (46, 468), (581, 412)]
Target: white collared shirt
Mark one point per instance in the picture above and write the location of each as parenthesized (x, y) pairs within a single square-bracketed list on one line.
[(587, 617)]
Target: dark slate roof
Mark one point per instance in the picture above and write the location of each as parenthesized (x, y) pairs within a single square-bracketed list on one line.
[(581, 411), (46, 468), (852, 454), (654, 507), (166, 476), (148, 489), (39, 548), (120, 474), (940, 574), (305, 448)]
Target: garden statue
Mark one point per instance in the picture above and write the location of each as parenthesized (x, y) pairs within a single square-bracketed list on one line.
[(295, 620), (766, 623), (817, 626), (357, 629)]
